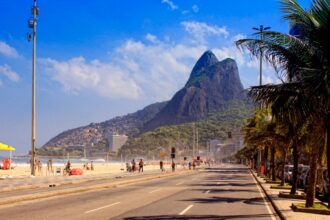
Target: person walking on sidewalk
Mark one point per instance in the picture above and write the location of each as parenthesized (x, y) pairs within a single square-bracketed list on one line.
[(141, 166), (161, 166)]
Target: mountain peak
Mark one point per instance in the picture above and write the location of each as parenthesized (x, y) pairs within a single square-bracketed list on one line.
[(207, 59)]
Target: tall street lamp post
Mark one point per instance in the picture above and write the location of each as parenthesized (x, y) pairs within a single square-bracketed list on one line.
[(260, 29), (32, 36)]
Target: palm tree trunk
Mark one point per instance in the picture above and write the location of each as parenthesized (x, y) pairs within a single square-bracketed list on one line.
[(327, 142), (310, 196), (256, 164), (272, 161), (266, 160), (295, 156), (284, 162)]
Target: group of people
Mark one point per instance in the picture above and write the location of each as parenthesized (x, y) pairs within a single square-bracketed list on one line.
[(87, 167), (37, 166), (132, 167)]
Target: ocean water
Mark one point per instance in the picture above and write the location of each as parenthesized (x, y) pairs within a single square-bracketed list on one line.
[(25, 161)]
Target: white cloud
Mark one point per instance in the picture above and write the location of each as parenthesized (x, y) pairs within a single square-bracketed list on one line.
[(105, 79), (195, 8), (171, 4), (7, 50), (200, 30), (153, 69), (152, 38), (9, 73), (136, 70)]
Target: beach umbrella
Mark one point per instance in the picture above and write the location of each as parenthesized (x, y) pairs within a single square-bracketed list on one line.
[(9, 148), (6, 147)]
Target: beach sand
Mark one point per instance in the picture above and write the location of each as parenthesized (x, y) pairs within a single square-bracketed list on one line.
[(99, 168)]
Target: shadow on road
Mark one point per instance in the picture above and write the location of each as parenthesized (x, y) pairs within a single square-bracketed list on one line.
[(215, 199), (211, 217), (223, 184), (227, 190)]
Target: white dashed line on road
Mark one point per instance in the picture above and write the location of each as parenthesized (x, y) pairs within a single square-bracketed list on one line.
[(103, 207), (156, 190), (186, 210)]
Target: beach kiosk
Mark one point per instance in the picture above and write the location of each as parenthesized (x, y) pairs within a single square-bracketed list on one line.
[(7, 162)]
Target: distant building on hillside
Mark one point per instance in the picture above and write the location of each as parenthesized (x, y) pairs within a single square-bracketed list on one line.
[(116, 141), (225, 147)]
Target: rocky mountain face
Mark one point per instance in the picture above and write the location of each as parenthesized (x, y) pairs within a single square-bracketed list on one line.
[(210, 86), (212, 83)]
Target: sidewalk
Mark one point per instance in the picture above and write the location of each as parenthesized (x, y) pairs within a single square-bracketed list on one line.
[(28, 182), (283, 205), (41, 188)]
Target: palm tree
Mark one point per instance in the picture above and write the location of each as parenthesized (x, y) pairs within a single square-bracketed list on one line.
[(302, 60)]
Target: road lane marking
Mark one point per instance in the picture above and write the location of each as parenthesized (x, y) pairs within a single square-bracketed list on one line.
[(179, 183), (103, 207), (155, 190), (263, 198), (186, 210), (207, 191)]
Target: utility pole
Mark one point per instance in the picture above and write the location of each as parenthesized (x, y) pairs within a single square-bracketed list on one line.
[(193, 143), (197, 146), (33, 37), (261, 29)]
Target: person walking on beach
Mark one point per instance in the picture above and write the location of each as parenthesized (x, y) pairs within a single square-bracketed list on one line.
[(92, 165), (133, 165), (67, 168), (161, 166), (39, 166), (141, 166), (50, 167)]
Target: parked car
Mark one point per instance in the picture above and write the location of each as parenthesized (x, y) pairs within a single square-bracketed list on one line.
[(326, 183), (288, 172), (303, 172), (322, 182)]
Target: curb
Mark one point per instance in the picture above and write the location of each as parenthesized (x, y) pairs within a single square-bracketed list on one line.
[(278, 212), (82, 189), (309, 210), (63, 182)]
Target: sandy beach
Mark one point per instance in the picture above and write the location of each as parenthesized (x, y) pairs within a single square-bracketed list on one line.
[(99, 168)]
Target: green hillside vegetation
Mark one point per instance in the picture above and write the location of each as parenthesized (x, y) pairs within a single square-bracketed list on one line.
[(159, 141)]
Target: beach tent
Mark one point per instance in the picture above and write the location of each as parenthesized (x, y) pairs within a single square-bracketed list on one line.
[(8, 148)]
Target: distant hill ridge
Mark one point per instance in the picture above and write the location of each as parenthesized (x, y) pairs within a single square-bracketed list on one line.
[(212, 83)]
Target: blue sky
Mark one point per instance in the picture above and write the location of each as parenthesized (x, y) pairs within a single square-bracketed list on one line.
[(103, 58)]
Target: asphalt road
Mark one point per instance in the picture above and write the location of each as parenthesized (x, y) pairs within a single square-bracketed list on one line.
[(226, 192)]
